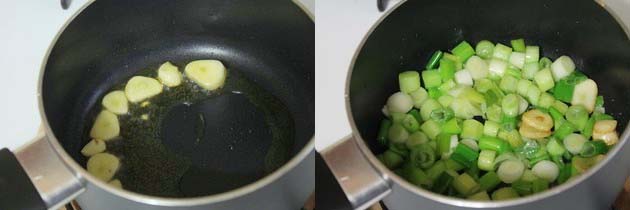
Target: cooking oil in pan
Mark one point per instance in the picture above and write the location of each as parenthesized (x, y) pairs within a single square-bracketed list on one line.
[(189, 142)]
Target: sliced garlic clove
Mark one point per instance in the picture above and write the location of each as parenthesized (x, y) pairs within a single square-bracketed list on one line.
[(140, 88), (105, 126), (103, 166), (94, 147), (208, 74), (116, 102)]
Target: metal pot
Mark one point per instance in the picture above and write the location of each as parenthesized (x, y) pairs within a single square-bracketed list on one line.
[(594, 32), (269, 42)]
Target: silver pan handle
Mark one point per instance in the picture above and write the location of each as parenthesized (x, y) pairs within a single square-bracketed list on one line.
[(54, 181), (359, 180)]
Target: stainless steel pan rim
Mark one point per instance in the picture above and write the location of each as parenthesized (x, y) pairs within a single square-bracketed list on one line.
[(84, 176), (390, 176)]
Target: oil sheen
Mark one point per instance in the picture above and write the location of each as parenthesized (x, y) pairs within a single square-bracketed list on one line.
[(189, 142)]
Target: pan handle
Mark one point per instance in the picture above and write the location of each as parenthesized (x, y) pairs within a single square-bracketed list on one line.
[(359, 180), (34, 178)]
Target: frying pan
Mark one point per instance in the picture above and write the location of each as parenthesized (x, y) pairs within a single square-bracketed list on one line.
[(255, 151), (402, 40)]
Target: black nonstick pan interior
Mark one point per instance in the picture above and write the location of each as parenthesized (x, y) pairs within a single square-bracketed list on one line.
[(581, 29), (268, 44)]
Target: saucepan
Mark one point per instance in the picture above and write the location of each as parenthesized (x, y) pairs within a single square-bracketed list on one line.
[(593, 32), (242, 161)]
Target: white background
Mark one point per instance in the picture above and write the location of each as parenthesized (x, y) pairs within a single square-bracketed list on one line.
[(340, 27), (27, 29)]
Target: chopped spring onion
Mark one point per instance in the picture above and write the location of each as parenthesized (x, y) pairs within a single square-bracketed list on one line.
[(508, 84), (546, 100), (517, 59), (486, 160), (456, 59), (585, 94), (528, 176), (532, 54), (533, 94), (463, 77), (416, 138), (523, 105), (383, 131), (416, 114), (509, 108), (599, 102), (464, 155), (438, 168), (564, 130), (510, 170), (399, 102), (433, 61), (560, 106), (489, 181), (518, 45), (564, 88), (445, 100), (442, 183), (397, 117), (512, 137), (463, 50), (409, 81), (446, 69), (494, 144), (555, 148), (522, 187), (544, 80), (496, 68), (480, 196), (428, 107), (410, 123), (501, 52), (539, 185), (494, 113), (523, 86), (562, 67), (397, 133), (530, 69), (504, 193), (577, 115), (465, 184), (565, 173), (490, 128), (471, 143), (544, 63), (472, 129), (592, 148), (452, 165), (484, 49), (510, 105), (430, 128), (477, 67), (581, 164), (392, 159), (419, 97), (416, 176), (422, 156), (431, 78), (513, 71), (546, 170), (441, 115), (574, 143), (452, 127)]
